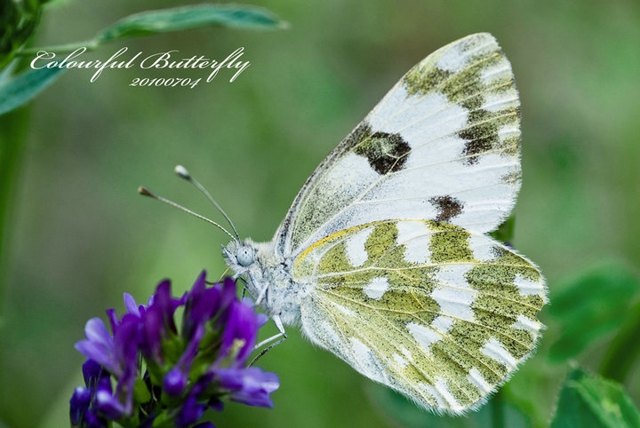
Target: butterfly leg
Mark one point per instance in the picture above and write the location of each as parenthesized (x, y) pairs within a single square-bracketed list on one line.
[(280, 337), (261, 296), (244, 286)]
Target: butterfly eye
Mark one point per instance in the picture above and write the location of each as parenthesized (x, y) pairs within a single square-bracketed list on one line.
[(245, 256)]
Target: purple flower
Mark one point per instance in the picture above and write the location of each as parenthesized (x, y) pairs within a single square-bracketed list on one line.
[(241, 331), (191, 411), (160, 372), (99, 345), (250, 386), (176, 380), (118, 356), (200, 304), (158, 322), (94, 404)]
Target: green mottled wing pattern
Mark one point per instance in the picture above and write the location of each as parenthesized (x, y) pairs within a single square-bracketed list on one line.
[(429, 309)]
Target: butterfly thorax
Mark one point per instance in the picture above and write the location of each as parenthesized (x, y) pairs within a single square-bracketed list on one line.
[(268, 278)]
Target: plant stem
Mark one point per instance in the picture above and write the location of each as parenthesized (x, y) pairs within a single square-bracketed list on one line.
[(13, 132), (68, 48)]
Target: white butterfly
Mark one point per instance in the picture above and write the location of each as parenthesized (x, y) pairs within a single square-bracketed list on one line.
[(383, 258)]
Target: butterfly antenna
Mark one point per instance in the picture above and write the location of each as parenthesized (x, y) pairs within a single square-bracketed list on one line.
[(146, 192), (183, 173)]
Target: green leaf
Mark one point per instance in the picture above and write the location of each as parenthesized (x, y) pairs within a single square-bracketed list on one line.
[(182, 18), (496, 413), (591, 401), (591, 306), (18, 91), (140, 391)]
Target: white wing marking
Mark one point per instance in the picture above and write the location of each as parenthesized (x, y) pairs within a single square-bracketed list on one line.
[(415, 236), (356, 252), (424, 335), (496, 351), (376, 288)]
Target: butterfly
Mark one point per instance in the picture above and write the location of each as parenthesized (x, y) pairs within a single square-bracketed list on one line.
[(384, 258)]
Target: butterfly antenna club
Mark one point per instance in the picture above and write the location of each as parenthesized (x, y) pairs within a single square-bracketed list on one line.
[(183, 173)]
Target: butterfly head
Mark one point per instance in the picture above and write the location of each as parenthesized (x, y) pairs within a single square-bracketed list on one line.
[(240, 255), (261, 270)]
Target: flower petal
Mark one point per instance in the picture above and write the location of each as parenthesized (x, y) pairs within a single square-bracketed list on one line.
[(98, 345), (131, 305), (190, 412), (96, 331), (109, 406), (242, 325), (174, 382), (256, 385), (79, 404)]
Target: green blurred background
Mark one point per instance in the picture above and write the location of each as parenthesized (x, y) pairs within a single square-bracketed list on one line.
[(80, 235)]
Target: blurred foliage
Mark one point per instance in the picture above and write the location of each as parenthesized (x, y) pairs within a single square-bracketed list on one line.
[(495, 413), (591, 401), (18, 21), (624, 352), (80, 235), (590, 306)]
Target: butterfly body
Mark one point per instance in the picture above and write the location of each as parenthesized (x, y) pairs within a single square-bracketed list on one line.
[(269, 274), (383, 257)]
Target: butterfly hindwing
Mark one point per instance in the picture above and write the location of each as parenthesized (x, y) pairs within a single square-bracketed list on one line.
[(442, 145), (429, 309)]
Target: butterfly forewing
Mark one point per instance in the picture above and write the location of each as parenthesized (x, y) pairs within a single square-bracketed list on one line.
[(442, 145), (432, 310)]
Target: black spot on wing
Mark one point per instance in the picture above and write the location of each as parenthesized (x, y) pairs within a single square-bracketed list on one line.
[(385, 152), (447, 206)]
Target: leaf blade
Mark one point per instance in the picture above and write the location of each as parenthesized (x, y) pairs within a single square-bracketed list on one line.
[(591, 306), (23, 88), (188, 17), (591, 401)]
